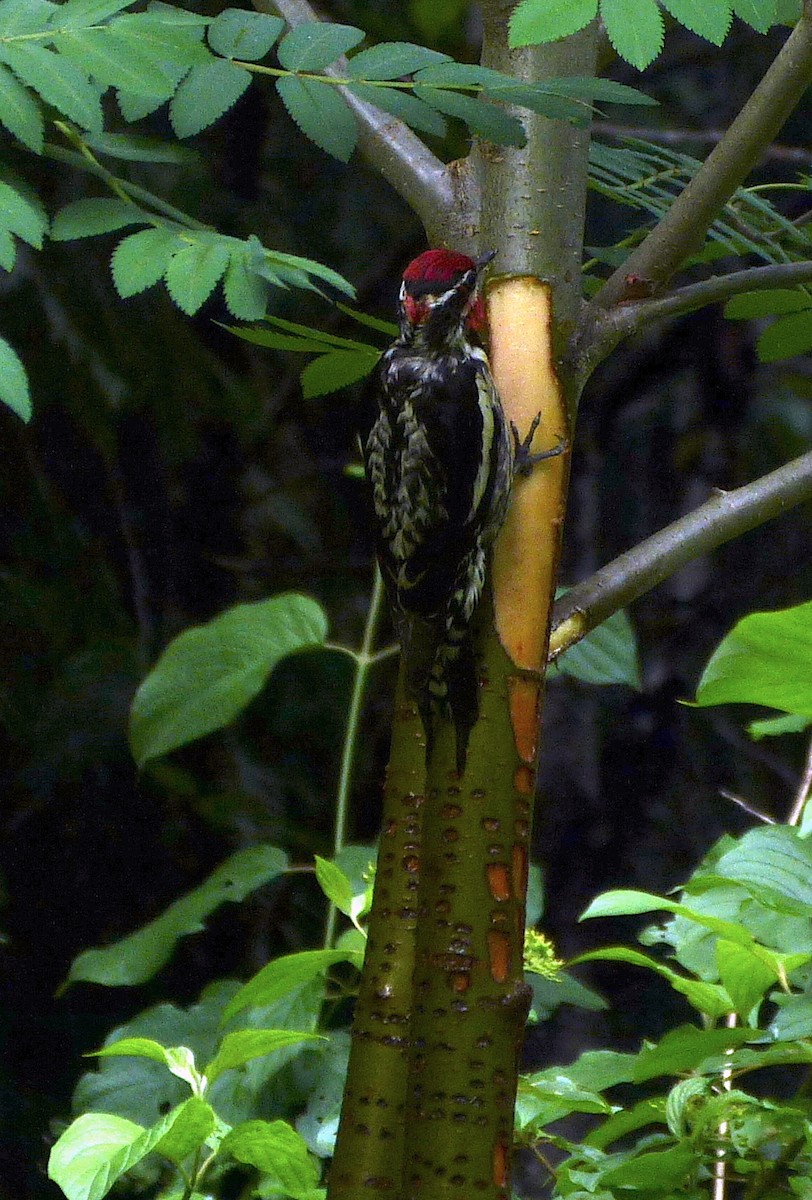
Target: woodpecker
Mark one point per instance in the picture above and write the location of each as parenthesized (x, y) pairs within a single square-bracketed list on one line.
[(440, 459)]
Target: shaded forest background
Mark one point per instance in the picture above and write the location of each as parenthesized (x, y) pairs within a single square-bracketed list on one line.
[(172, 470)]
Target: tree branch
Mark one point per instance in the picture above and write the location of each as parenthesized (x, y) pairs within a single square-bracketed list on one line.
[(682, 229), (445, 198), (628, 318), (725, 516)]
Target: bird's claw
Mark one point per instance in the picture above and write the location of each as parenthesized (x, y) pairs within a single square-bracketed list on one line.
[(524, 458)]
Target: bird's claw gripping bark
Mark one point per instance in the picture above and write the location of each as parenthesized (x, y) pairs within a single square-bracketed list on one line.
[(524, 458)]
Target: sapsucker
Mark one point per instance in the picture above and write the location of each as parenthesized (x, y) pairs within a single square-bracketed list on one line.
[(439, 457)]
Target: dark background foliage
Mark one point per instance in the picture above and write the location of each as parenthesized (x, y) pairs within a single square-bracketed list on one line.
[(171, 470)]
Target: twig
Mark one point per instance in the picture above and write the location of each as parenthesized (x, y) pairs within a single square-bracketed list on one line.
[(724, 516), (446, 200), (629, 317), (804, 788), (748, 808), (719, 1166)]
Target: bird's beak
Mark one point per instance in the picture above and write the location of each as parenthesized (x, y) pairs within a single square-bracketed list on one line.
[(481, 263)]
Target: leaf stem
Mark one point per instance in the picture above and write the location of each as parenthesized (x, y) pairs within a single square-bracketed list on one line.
[(726, 515), (364, 660)]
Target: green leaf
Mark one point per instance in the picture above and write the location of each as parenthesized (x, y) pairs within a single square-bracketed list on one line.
[(14, 382), (767, 303), (77, 13), (483, 119), (707, 998), (140, 260), (164, 34), (246, 292), (774, 865), (765, 659), (744, 975), (664, 1169), (329, 340), (24, 16), (542, 100), (760, 14), (606, 655), (547, 20), (709, 18), (193, 272), (19, 111), (195, 1121), (57, 81), (776, 726), (97, 52), (315, 45), (310, 267), (627, 902), (391, 60), (89, 217), (241, 33), (683, 1049), (209, 673), (335, 885), (276, 1149), (635, 28), (97, 1148), (138, 957), (136, 1047), (321, 114), (240, 1047), (403, 105), (793, 1019), (787, 338), (645, 1112), (591, 88), (21, 213), (132, 147), (284, 974), (336, 370), (205, 94), (387, 327)]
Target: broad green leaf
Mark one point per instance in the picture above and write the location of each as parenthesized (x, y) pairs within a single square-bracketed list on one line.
[(133, 147), (138, 957), (240, 1047), (140, 259), (324, 1077), (681, 1099), (137, 1047), (209, 673), (391, 60), (483, 119), (24, 16), (8, 250), (335, 885), (321, 114), (20, 112), (275, 1148), (683, 1049), (164, 34), (788, 337), (98, 53), (57, 81), (92, 216), (283, 975), (606, 655), (555, 1097), (195, 1121), (664, 1169), (547, 20), (193, 272), (208, 91), (777, 726), (242, 33), (707, 998), (767, 303), (336, 370), (774, 865), (14, 382), (709, 18), (793, 1019), (765, 659), (760, 14), (97, 1148), (246, 292), (75, 14), (645, 1112), (403, 105), (744, 975), (21, 213), (313, 46), (635, 28)]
